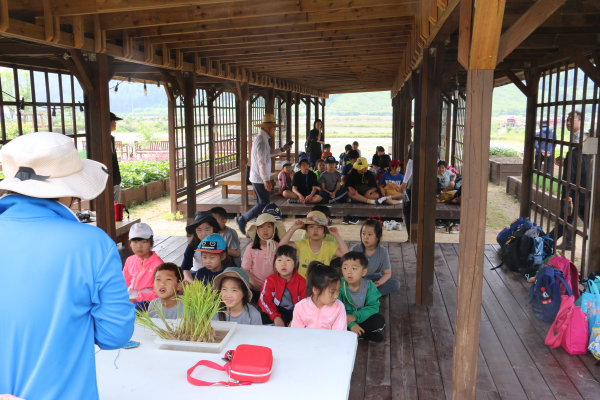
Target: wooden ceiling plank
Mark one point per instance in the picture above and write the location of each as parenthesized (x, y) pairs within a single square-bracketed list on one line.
[(4, 17), (525, 25), (515, 79), (69, 7), (487, 25), (48, 20), (78, 37)]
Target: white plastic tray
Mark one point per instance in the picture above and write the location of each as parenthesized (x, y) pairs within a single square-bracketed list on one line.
[(200, 347)]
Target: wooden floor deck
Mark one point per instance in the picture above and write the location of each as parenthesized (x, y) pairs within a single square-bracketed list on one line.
[(415, 360), (233, 204)]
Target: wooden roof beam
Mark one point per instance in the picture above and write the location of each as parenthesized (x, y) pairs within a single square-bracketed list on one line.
[(79, 7), (525, 25)]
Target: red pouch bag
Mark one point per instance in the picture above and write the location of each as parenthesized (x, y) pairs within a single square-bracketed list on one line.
[(247, 364), (118, 211)]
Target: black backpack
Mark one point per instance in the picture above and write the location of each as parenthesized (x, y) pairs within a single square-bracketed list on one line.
[(515, 253)]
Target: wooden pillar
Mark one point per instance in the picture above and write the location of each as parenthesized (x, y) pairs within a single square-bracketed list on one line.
[(288, 122), (210, 107), (296, 123), (250, 128), (448, 117), (430, 116), (172, 152), (308, 120), (316, 108), (245, 130), (480, 86), (530, 128), (454, 121), (407, 118), (189, 91), (416, 150), (400, 126), (594, 257), (323, 118), (270, 109), (100, 146), (394, 127)]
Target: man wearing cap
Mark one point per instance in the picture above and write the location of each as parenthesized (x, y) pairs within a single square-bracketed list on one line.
[(260, 171), (64, 290), (115, 160)]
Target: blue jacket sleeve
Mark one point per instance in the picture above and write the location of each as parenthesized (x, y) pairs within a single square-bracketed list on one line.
[(113, 314), (537, 143), (188, 258)]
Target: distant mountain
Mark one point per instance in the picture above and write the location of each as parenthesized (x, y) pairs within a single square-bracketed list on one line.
[(374, 103)]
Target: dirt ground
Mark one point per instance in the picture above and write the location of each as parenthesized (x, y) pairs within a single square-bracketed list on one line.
[(502, 210)]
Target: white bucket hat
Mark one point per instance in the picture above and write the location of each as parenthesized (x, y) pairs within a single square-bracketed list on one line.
[(46, 165)]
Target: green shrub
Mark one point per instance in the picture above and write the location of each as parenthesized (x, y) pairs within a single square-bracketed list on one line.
[(138, 173), (498, 150), (1, 175)]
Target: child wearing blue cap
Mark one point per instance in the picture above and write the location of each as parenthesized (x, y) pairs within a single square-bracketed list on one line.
[(214, 255)]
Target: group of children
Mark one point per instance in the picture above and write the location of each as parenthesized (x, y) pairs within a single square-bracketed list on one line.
[(313, 282), (361, 182)]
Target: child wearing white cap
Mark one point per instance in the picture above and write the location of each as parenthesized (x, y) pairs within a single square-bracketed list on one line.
[(139, 268)]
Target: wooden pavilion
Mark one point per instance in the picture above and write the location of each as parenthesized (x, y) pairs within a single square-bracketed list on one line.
[(225, 63)]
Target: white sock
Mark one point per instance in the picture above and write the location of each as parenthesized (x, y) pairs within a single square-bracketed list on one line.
[(382, 199)]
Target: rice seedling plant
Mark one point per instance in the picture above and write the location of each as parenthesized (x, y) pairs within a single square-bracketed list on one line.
[(200, 304)]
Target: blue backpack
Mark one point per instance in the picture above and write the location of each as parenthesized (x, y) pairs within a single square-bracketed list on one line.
[(506, 233), (544, 294)]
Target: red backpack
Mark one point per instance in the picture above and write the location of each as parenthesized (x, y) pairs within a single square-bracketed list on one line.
[(570, 273)]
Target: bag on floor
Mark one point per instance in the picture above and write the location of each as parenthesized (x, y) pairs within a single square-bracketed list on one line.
[(544, 294), (570, 273), (590, 305), (247, 364), (594, 346), (506, 233), (446, 197), (591, 277), (569, 329)]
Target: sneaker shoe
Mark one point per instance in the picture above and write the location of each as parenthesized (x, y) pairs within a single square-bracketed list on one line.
[(373, 336), (241, 224), (293, 201), (388, 225), (345, 220), (439, 224), (353, 220), (398, 225)]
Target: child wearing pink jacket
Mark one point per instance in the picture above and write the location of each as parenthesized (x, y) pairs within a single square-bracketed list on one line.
[(139, 268), (321, 309)]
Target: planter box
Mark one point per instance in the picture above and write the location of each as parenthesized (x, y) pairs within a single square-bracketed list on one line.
[(201, 347), (168, 185), (130, 196), (549, 202), (155, 190), (500, 171), (513, 186)]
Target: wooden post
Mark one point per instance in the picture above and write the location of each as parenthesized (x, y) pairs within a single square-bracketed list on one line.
[(395, 132), (100, 141), (308, 120), (297, 124), (210, 108), (189, 92), (323, 118), (594, 257), (431, 73), (316, 108), (480, 86), (448, 131), (288, 122), (401, 126), (244, 130), (270, 108), (172, 153), (407, 119), (454, 121), (416, 153), (530, 128)]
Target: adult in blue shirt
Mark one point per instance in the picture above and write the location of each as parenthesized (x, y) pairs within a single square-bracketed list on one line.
[(64, 290), (543, 150)]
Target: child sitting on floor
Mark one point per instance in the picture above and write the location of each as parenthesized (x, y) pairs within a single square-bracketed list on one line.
[(446, 178), (258, 258), (346, 169), (235, 296), (355, 147), (326, 152), (214, 257), (331, 183), (167, 282), (305, 185), (376, 157), (384, 163), (379, 268), (282, 289), (315, 248), (319, 170), (361, 183), (327, 212), (139, 268), (321, 309), (344, 156), (230, 236), (204, 224), (285, 180), (360, 298), (389, 184)]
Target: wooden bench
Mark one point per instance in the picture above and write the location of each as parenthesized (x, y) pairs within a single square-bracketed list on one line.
[(123, 228), (236, 180)]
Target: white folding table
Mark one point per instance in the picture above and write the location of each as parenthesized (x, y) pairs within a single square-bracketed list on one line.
[(307, 364)]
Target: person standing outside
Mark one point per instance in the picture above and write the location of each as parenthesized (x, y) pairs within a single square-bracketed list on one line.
[(314, 142), (115, 159), (260, 170), (543, 150), (66, 291), (573, 124)]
